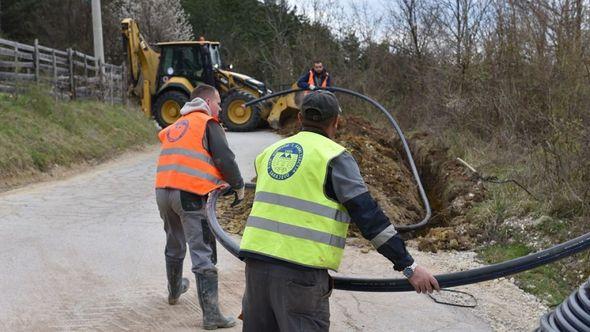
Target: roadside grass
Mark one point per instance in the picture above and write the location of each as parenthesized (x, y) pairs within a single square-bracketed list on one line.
[(546, 282), (553, 216), (38, 133)]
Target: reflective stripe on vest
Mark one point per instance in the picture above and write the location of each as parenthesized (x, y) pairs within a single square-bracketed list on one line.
[(184, 163), (300, 204), (190, 171), (292, 219), (188, 153), (296, 231), (311, 81)]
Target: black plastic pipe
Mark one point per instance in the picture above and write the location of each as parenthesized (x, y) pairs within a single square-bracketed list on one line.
[(444, 280), (402, 285), (399, 228), (475, 275), (572, 315)]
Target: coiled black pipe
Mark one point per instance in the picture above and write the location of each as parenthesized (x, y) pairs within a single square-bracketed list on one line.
[(444, 280), (570, 316), (399, 228)]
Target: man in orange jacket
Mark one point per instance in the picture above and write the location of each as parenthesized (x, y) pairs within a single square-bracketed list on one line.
[(316, 77), (195, 159)]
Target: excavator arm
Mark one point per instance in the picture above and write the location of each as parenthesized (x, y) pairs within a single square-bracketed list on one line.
[(143, 63)]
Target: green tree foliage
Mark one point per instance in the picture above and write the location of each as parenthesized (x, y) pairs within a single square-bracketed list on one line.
[(14, 18), (259, 38), (56, 23)]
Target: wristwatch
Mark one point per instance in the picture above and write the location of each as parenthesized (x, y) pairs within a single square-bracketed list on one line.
[(409, 271)]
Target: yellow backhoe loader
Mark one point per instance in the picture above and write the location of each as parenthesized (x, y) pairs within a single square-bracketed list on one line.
[(163, 81)]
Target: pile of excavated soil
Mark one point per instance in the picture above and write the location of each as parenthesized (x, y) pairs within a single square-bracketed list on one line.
[(387, 175), (388, 178)]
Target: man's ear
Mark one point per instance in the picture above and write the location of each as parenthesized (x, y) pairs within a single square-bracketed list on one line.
[(300, 118)]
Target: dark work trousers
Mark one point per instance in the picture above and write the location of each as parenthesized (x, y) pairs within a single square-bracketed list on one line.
[(281, 298), (185, 221)]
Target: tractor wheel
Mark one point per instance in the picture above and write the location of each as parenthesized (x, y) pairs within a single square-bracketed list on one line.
[(167, 107), (236, 118)]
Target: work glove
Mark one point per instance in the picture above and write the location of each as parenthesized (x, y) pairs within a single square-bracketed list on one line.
[(238, 195), (312, 87)]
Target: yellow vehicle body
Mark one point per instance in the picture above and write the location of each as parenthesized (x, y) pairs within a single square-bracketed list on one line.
[(163, 82), (284, 108)]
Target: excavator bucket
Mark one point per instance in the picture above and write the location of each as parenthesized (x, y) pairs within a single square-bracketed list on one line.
[(285, 109)]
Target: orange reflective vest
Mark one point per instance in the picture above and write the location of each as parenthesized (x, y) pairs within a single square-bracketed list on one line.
[(310, 80), (184, 162)]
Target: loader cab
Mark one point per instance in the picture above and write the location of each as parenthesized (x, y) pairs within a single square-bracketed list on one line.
[(194, 61), (215, 56)]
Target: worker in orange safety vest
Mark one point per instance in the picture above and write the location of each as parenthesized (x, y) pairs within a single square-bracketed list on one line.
[(316, 77), (195, 159)]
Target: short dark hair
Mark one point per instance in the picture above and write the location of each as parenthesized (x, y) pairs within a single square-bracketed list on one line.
[(203, 91), (318, 61), (317, 124)]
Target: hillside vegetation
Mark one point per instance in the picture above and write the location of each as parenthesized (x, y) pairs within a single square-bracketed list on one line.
[(38, 133)]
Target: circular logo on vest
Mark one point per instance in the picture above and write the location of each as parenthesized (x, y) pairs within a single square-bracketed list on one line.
[(285, 161), (177, 132)]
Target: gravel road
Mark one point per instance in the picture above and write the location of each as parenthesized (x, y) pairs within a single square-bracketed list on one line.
[(86, 253)]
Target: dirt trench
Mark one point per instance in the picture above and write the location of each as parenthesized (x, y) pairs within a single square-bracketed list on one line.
[(450, 188)]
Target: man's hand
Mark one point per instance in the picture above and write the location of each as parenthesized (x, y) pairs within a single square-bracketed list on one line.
[(239, 196), (240, 193), (312, 87), (423, 281)]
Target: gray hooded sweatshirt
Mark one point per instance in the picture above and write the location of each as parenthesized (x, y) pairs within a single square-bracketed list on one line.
[(215, 142)]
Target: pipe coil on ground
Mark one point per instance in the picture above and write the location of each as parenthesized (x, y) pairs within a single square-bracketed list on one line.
[(572, 315)]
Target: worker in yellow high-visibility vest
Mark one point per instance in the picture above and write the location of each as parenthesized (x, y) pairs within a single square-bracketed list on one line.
[(308, 190)]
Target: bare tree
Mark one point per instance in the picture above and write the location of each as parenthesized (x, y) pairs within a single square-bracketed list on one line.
[(368, 21), (412, 25), (461, 22), (276, 56)]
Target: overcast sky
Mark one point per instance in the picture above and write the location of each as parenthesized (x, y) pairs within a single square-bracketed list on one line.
[(372, 5), (344, 11)]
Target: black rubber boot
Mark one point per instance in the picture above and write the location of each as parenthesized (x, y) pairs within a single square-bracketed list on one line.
[(176, 283), (207, 289)]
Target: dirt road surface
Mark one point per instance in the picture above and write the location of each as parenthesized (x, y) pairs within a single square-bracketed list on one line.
[(86, 253)]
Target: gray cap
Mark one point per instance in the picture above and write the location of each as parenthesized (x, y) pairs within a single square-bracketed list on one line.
[(320, 105)]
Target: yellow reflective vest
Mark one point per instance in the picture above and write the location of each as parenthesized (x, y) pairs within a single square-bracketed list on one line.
[(292, 219)]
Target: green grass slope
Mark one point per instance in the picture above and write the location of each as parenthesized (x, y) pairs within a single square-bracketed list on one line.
[(38, 133)]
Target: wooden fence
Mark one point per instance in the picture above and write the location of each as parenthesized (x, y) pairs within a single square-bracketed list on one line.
[(70, 74)]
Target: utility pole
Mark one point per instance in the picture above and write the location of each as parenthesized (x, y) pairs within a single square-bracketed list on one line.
[(97, 31)]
